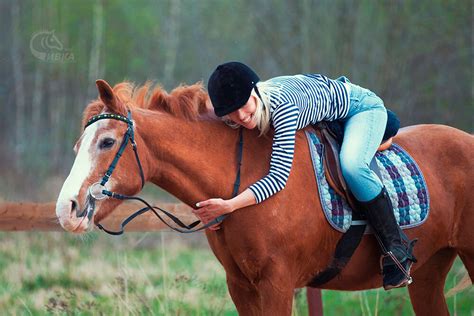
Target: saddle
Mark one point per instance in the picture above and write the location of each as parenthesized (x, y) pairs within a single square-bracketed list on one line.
[(331, 135)]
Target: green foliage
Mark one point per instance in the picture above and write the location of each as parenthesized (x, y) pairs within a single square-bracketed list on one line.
[(155, 274)]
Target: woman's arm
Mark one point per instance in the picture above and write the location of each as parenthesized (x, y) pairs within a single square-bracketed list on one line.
[(285, 119)]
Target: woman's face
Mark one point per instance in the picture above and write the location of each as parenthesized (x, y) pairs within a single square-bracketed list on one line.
[(245, 115)]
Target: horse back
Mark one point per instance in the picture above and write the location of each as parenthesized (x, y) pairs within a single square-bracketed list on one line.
[(440, 149), (445, 156)]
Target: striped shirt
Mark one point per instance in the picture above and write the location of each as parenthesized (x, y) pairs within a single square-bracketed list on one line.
[(299, 101)]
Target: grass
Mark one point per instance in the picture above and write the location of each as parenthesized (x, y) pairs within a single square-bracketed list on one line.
[(154, 274)]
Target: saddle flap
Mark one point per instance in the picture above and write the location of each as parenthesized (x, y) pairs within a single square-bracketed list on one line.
[(332, 165)]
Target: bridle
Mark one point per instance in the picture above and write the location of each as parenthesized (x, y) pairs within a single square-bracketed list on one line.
[(97, 191)]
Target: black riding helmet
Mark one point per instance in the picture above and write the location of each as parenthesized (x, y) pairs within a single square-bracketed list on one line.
[(230, 86)]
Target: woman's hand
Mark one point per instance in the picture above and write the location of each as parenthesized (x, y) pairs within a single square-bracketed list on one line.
[(212, 208)]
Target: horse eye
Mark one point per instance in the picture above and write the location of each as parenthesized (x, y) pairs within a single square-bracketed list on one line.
[(107, 143)]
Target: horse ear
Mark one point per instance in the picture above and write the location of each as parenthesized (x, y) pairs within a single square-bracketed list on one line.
[(107, 96)]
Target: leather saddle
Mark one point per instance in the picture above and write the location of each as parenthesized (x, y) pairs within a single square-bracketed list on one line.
[(331, 135)]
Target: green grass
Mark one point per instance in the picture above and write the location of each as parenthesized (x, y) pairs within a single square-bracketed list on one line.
[(155, 274)]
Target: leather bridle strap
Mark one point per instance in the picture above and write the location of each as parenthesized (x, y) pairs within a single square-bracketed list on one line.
[(187, 228), (129, 135)]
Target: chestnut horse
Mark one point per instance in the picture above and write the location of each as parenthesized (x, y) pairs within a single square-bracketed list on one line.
[(270, 249)]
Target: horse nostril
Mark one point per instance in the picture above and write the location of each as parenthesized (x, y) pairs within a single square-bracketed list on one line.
[(73, 206)]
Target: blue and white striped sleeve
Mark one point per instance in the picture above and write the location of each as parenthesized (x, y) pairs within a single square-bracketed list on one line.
[(285, 119)]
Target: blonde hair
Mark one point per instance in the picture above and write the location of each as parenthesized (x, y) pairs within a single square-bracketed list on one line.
[(262, 114)]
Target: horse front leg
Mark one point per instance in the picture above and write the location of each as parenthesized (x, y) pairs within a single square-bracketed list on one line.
[(264, 297)]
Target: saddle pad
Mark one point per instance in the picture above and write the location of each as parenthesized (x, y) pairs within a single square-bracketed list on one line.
[(401, 176)]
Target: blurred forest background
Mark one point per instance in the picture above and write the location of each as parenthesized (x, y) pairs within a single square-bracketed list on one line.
[(417, 55)]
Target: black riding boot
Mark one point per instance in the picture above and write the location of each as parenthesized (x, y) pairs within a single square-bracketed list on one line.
[(397, 249)]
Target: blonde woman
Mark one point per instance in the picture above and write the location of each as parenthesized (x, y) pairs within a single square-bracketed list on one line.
[(290, 103)]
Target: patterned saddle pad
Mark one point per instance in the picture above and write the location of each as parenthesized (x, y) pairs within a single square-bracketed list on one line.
[(401, 176)]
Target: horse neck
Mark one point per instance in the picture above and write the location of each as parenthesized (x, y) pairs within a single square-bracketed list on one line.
[(191, 160)]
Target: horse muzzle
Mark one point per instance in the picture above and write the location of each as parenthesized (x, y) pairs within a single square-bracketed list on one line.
[(72, 219)]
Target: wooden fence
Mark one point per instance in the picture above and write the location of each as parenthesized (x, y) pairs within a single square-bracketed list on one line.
[(23, 216)]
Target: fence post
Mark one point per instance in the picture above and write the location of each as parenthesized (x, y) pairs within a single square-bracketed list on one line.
[(315, 301)]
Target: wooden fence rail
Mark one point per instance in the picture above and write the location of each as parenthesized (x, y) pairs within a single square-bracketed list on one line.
[(25, 216)]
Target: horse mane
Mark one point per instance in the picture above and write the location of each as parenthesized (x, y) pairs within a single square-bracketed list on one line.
[(187, 102)]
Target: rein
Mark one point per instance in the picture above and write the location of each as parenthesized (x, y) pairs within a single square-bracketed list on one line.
[(97, 191)]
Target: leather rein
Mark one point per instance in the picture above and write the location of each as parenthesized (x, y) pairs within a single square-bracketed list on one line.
[(97, 191)]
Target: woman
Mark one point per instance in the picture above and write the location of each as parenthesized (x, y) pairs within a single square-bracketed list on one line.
[(290, 103)]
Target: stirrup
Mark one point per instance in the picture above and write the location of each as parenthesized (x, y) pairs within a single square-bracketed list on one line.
[(399, 265), (401, 280)]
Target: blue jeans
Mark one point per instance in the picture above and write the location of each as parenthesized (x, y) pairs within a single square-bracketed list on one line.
[(363, 132)]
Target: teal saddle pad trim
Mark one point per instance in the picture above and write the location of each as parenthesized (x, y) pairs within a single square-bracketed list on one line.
[(401, 176)]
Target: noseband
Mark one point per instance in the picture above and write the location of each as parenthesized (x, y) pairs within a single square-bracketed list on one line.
[(97, 191)]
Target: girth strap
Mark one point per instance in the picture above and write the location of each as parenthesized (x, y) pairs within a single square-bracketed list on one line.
[(345, 248)]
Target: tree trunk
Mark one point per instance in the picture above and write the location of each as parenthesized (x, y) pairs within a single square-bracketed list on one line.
[(97, 38), (18, 84), (173, 41), (36, 103), (305, 24)]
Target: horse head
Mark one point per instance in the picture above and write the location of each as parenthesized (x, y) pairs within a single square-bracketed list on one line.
[(95, 150)]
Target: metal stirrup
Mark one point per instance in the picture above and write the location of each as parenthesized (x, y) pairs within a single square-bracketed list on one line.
[(395, 260)]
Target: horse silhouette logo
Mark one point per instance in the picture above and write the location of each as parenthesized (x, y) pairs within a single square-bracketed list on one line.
[(46, 46)]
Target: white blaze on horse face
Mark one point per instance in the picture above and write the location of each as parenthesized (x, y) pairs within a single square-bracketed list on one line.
[(80, 171)]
